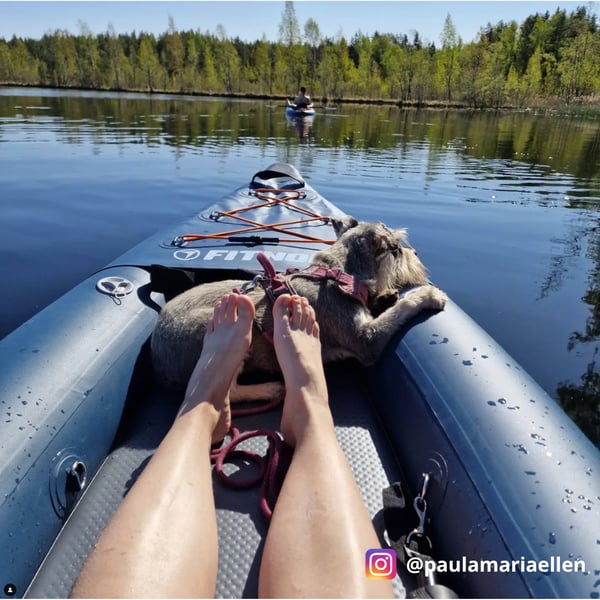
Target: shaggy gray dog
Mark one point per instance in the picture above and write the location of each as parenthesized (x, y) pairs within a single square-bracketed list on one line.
[(373, 254)]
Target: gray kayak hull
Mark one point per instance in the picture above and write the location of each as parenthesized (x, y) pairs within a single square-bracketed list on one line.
[(516, 482)]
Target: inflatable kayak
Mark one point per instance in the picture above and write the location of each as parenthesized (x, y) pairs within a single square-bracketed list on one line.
[(505, 486), (291, 110)]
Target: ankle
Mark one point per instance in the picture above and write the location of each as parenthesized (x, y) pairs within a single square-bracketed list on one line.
[(200, 421), (306, 421), (202, 415)]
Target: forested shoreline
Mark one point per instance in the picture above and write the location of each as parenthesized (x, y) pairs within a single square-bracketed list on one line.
[(547, 60)]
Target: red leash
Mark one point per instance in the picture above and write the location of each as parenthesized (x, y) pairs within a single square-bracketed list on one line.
[(268, 465)]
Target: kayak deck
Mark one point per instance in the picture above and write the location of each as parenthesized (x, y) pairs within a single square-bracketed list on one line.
[(241, 524)]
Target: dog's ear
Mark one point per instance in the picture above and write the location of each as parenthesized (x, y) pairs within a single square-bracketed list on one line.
[(402, 237), (342, 225)]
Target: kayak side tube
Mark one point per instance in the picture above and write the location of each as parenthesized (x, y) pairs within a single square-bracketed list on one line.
[(64, 380), (513, 480)]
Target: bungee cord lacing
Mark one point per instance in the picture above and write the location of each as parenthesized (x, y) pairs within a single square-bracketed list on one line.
[(247, 234)]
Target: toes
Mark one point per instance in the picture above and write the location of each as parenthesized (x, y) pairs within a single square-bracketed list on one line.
[(305, 308), (311, 325), (218, 313), (310, 317), (230, 308), (281, 308), (245, 308), (297, 309), (297, 312), (211, 325), (315, 329)]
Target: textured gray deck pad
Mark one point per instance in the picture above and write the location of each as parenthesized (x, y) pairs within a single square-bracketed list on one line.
[(241, 525)]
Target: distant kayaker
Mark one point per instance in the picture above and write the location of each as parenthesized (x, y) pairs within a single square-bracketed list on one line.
[(302, 100)]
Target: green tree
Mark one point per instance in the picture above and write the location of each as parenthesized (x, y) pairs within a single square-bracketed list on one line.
[(174, 55), (368, 77), (472, 64), (228, 62), (17, 63), (289, 29), (532, 80), (312, 35), (493, 76), (507, 47), (65, 59), (6, 69), (88, 57), (399, 80), (149, 72), (263, 65), (191, 74), (210, 80), (541, 34), (290, 38), (525, 47), (513, 89), (336, 69), (448, 58), (558, 37), (279, 61), (423, 86), (579, 68), (118, 73)]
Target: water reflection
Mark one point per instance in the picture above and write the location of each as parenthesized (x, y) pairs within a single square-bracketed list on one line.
[(482, 158), (302, 125), (564, 145)]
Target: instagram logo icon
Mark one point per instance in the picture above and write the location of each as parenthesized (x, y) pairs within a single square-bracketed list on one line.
[(380, 563)]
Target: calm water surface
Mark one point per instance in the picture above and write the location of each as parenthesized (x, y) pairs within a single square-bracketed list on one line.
[(503, 208)]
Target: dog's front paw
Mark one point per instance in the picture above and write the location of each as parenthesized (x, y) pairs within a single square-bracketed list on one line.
[(432, 297), (383, 301)]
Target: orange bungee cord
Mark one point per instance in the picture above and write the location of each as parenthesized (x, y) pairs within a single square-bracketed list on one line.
[(240, 235)]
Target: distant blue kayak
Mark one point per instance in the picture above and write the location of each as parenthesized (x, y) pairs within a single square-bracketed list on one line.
[(293, 111)]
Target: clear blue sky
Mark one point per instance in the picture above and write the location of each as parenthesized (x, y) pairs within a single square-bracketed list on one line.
[(249, 20)]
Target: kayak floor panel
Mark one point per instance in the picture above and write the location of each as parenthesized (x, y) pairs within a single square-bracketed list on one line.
[(241, 525)]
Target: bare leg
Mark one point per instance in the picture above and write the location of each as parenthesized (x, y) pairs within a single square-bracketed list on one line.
[(320, 529), (162, 541)]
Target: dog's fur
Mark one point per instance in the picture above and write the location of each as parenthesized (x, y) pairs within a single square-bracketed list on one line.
[(371, 252)]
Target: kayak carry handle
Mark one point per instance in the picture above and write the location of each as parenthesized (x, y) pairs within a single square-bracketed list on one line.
[(253, 240), (279, 170)]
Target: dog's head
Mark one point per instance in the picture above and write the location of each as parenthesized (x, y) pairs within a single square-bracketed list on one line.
[(378, 255)]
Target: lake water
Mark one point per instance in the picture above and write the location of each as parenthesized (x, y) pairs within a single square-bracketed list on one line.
[(502, 207)]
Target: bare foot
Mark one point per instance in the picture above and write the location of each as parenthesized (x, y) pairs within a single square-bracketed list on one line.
[(226, 342), (298, 349)]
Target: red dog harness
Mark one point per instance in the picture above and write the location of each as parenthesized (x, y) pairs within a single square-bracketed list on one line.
[(348, 284), (276, 284)]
